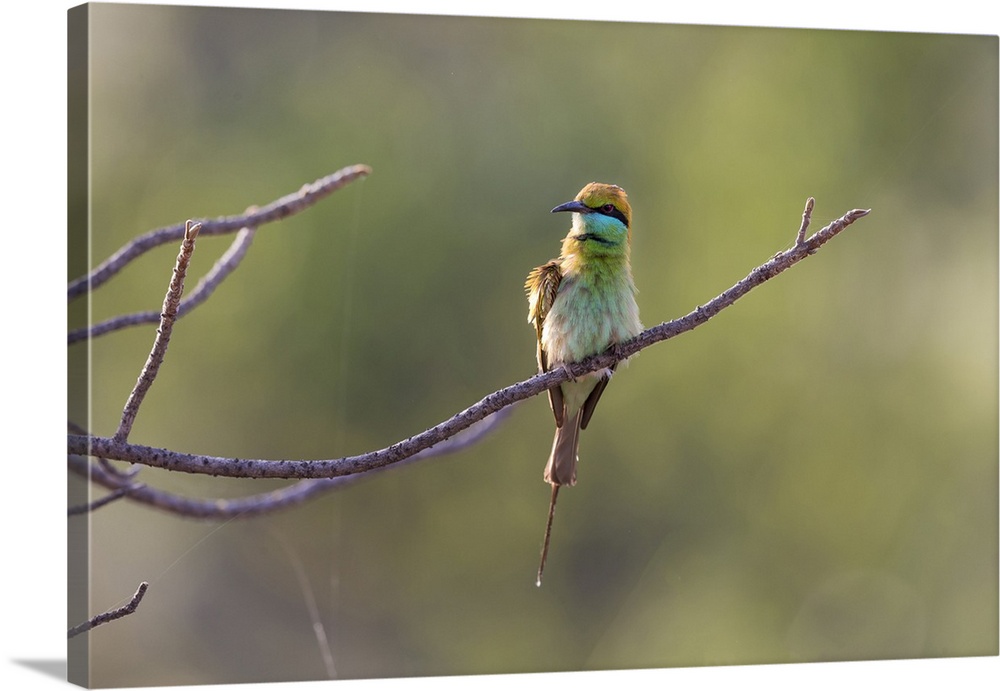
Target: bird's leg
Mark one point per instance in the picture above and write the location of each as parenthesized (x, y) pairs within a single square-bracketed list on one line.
[(616, 351), (565, 368)]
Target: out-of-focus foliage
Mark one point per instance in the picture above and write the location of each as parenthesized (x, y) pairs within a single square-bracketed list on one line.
[(810, 476)]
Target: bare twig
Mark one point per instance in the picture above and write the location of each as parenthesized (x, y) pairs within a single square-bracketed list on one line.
[(103, 501), (224, 266), (111, 615), (275, 211), (301, 469), (171, 303), (806, 218)]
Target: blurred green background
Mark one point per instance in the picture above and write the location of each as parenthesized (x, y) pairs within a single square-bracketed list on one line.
[(812, 475)]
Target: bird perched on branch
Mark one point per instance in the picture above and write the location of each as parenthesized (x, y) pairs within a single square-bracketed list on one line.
[(582, 304)]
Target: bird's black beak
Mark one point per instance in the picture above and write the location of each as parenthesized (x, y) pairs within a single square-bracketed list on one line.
[(578, 207)]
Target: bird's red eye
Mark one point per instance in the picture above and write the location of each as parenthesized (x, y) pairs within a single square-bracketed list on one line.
[(608, 208)]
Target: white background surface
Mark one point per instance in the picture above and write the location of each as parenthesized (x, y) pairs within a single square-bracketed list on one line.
[(34, 564)]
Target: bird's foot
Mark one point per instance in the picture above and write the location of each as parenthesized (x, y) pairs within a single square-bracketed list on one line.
[(565, 368)]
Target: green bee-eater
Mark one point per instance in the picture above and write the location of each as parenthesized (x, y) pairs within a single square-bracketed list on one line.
[(582, 304)]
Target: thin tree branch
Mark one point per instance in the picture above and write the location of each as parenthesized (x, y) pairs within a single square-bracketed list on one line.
[(275, 211), (111, 615), (224, 266), (302, 469), (275, 500), (103, 501), (171, 303)]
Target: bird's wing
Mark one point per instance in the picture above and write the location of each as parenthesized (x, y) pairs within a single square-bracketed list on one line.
[(541, 287)]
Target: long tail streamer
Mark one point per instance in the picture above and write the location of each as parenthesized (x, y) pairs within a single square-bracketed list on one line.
[(548, 533)]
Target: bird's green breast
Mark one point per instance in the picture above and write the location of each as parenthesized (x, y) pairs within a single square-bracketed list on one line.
[(595, 308)]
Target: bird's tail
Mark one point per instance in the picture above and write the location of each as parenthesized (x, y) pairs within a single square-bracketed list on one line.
[(561, 468), (548, 533)]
